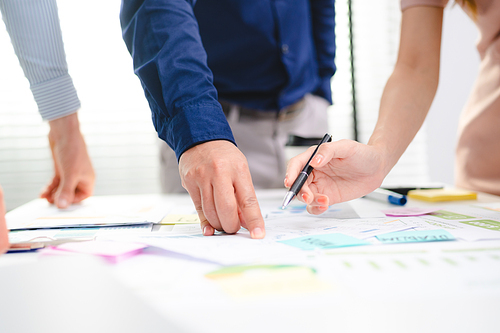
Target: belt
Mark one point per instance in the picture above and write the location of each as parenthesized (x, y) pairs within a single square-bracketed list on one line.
[(287, 113)]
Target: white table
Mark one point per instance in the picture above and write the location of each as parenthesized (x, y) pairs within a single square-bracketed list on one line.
[(424, 287)]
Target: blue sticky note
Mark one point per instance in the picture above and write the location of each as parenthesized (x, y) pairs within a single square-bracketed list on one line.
[(416, 236), (325, 241)]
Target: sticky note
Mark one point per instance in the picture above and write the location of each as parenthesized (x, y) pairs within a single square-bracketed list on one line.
[(416, 236), (485, 224), (325, 241), (180, 218), (112, 251), (409, 211), (268, 280), (442, 195)]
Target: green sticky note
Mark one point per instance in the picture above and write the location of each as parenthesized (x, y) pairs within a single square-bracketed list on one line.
[(325, 241), (416, 236), (486, 224)]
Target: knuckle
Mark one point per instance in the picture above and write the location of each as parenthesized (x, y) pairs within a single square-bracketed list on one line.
[(241, 168), (199, 172), (188, 175), (220, 167), (249, 203)]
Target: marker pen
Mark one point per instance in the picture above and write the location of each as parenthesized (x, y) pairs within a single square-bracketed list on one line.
[(387, 196)]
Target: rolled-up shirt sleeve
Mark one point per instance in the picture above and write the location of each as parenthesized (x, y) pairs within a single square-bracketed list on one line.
[(171, 63), (35, 32)]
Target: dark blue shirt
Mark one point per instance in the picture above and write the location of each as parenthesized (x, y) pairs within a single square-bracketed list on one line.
[(262, 54)]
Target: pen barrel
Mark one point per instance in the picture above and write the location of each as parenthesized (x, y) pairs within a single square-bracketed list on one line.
[(308, 169), (301, 179), (387, 196)]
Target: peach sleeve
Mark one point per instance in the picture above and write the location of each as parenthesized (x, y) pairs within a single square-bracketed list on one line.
[(434, 3)]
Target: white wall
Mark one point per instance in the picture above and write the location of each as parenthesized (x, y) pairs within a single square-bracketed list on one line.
[(459, 67)]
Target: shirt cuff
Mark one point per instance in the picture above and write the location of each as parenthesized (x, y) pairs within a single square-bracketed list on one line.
[(56, 98), (198, 124)]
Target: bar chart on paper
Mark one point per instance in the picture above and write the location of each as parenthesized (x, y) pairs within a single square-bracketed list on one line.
[(444, 268)]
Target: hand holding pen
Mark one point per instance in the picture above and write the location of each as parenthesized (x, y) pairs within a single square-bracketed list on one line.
[(303, 175), (342, 170)]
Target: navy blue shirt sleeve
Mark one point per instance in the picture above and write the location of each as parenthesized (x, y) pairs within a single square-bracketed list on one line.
[(169, 58), (323, 21)]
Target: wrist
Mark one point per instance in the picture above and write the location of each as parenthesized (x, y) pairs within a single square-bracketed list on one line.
[(62, 127), (388, 151)]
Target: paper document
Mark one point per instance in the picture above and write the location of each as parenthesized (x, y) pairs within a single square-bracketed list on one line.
[(465, 222), (94, 211)]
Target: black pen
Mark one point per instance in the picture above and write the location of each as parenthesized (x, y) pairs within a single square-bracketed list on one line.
[(302, 177)]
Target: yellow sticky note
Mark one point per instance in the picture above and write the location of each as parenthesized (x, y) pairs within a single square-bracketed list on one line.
[(255, 281), (180, 218), (442, 195)]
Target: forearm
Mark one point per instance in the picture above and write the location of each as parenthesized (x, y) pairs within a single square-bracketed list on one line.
[(64, 127), (410, 90), (405, 102)]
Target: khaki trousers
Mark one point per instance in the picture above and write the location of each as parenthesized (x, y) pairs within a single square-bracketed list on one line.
[(262, 141)]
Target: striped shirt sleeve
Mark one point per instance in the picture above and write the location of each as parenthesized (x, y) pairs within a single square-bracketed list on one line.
[(35, 33)]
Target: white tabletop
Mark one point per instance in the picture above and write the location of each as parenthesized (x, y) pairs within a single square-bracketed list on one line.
[(431, 287)]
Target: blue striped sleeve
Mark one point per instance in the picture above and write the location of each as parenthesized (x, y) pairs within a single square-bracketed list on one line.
[(35, 33)]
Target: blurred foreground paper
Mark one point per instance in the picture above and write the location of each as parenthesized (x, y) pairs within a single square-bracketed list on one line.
[(94, 211)]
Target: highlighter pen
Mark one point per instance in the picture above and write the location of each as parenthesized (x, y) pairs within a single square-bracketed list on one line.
[(387, 196), (302, 177)]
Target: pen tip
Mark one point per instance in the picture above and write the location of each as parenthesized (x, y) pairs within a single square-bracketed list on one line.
[(289, 196)]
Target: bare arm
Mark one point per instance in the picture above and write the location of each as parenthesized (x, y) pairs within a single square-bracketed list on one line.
[(410, 89), (345, 170)]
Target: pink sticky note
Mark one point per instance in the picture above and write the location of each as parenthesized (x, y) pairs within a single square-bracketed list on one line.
[(409, 211), (112, 251)]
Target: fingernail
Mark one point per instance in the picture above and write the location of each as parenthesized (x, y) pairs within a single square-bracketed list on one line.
[(207, 231), (318, 158), (304, 197), (62, 203), (322, 201), (257, 233), (286, 180)]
